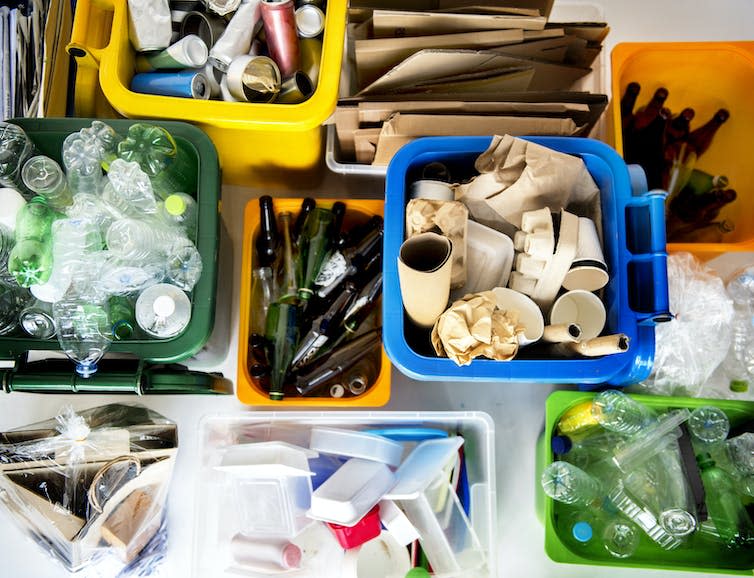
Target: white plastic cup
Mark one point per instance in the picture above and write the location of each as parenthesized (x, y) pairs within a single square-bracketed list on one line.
[(582, 308)]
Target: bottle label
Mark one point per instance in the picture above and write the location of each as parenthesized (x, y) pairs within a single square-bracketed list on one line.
[(333, 269)]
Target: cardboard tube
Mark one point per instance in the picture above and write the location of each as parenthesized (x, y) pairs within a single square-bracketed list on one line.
[(563, 333), (606, 345)]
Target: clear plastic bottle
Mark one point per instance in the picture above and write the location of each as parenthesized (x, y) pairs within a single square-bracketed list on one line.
[(128, 191), (36, 319), (103, 136), (120, 277), (7, 240), (82, 160), (15, 148), (92, 208), (30, 261), (163, 311), (183, 267), (569, 484), (12, 301), (709, 425), (73, 239), (616, 411), (138, 240), (739, 363), (83, 332), (43, 176), (642, 517), (55, 287), (621, 538), (180, 210)]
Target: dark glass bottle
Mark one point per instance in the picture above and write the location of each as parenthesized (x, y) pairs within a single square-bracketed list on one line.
[(627, 103), (353, 259), (268, 238), (262, 276), (282, 333), (355, 234), (314, 245), (307, 205), (645, 115), (287, 284), (700, 139)]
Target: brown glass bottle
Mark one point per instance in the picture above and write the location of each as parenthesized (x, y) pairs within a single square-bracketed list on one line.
[(628, 102), (700, 139), (644, 116)]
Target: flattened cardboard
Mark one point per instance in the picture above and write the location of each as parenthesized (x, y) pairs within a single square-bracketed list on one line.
[(395, 23), (508, 80), (550, 49), (542, 7), (376, 56)]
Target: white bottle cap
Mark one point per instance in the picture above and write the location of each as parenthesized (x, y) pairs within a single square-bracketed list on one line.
[(164, 306)]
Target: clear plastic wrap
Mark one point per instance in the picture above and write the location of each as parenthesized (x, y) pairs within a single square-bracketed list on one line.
[(691, 346), (90, 488)]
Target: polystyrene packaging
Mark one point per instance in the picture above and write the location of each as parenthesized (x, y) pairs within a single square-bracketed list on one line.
[(689, 348), (90, 487)]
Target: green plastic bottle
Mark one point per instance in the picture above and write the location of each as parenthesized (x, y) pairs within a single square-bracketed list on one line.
[(30, 260), (317, 238), (732, 522), (170, 168), (121, 317)]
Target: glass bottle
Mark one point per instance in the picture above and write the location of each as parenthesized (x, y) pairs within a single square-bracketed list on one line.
[(282, 332), (288, 287), (627, 103), (700, 182), (700, 139), (262, 276), (314, 245), (645, 115), (307, 205)]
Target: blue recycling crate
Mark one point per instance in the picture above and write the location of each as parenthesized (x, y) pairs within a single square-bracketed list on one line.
[(636, 297)]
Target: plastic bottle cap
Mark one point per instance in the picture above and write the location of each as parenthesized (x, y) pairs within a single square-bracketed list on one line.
[(561, 445), (582, 531), (291, 556), (175, 205), (418, 573), (164, 306), (739, 385)]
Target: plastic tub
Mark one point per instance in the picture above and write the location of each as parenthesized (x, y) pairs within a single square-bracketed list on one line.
[(48, 135), (634, 245), (705, 76), (696, 555), (272, 136), (219, 515), (247, 390)]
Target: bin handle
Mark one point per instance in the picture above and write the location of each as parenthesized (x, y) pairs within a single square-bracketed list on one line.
[(88, 24)]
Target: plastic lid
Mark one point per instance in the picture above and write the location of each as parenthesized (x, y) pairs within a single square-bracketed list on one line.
[(175, 205), (418, 573), (164, 306), (561, 445), (582, 531), (86, 369)]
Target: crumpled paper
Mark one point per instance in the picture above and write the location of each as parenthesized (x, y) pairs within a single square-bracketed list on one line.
[(517, 176), (475, 327), (451, 218)]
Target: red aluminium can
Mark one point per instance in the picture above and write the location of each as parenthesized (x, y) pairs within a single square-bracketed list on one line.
[(279, 17)]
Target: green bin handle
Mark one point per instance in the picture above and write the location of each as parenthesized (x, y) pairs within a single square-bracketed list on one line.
[(117, 376)]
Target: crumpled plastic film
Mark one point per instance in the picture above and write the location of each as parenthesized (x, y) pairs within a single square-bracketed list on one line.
[(90, 487), (475, 327), (690, 347)]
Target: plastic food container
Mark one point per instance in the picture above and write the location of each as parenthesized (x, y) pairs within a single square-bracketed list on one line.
[(248, 136), (705, 76), (247, 390), (695, 555), (219, 516), (48, 136), (634, 245)]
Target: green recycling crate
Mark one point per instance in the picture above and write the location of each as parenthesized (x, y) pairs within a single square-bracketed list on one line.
[(695, 555), (134, 375)]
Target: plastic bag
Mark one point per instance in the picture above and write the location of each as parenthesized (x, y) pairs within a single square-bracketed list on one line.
[(690, 347), (90, 487)]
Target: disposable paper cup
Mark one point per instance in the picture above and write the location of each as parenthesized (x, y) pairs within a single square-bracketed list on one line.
[(424, 270), (529, 314), (588, 270), (434, 190), (582, 308)]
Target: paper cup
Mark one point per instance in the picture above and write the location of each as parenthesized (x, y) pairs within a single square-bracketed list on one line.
[(529, 314), (588, 270), (582, 308), (435, 190), (424, 271)]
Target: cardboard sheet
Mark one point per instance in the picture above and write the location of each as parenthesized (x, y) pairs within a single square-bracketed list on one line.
[(394, 23)]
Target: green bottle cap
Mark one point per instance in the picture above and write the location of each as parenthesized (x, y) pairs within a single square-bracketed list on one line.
[(739, 385), (175, 205), (418, 573)]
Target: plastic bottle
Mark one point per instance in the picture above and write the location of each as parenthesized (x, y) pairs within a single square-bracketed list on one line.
[(139, 240), (163, 311), (44, 177), (12, 301), (724, 506), (183, 266), (128, 191), (103, 136), (741, 452), (617, 412), (569, 484), (739, 363), (170, 168), (73, 239), (56, 286), (11, 202), (709, 425), (36, 319), (92, 208), (119, 277), (121, 317), (82, 160), (179, 210), (648, 442), (30, 261), (620, 538), (15, 148), (587, 450), (7, 240), (642, 517), (83, 332)]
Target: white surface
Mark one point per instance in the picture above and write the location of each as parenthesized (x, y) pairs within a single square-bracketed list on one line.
[(517, 409)]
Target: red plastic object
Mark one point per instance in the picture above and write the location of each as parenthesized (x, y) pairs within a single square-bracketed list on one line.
[(364, 530)]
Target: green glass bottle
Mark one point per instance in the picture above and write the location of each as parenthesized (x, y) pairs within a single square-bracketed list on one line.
[(314, 245), (282, 333), (170, 167), (288, 287), (725, 508), (30, 260)]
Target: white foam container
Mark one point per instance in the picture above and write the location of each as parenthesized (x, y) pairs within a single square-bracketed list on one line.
[(216, 519)]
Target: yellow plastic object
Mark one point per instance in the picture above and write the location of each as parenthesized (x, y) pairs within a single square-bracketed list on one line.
[(248, 136), (705, 76), (247, 390)]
